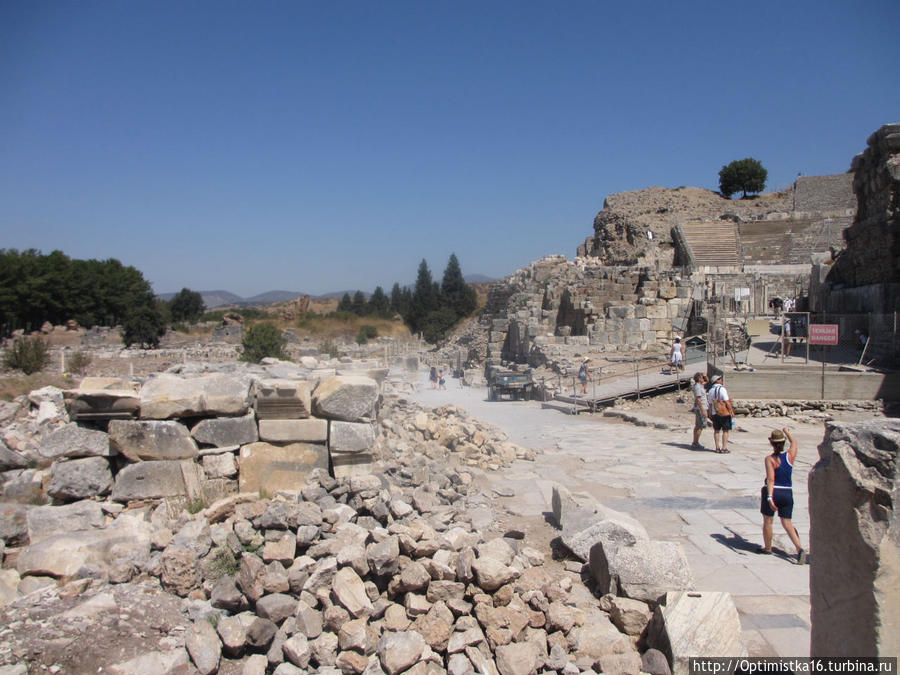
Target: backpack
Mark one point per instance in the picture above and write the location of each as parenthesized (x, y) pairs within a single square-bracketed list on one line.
[(582, 372), (720, 406)]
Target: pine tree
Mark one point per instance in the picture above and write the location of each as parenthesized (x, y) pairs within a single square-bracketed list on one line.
[(346, 304), (457, 294), (358, 305), (379, 305), (424, 299)]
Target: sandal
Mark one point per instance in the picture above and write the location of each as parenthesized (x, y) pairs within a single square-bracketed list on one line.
[(725, 451), (764, 551), (801, 557)]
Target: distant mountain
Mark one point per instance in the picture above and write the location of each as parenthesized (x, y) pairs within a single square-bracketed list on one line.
[(272, 297), (210, 298), (478, 279)]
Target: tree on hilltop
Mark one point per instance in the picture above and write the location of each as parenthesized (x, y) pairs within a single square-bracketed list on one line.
[(747, 175)]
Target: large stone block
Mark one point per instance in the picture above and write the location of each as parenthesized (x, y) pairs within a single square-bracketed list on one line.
[(692, 623), (46, 521), (310, 430), (72, 440), (89, 403), (149, 480), (854, 581), (354, 464), (166, 396), (151, 440), (351, 398), (269, 468), (62, 555), (646, 570), (80, 478), (585, 522), (283, 399), (222, 432), (350, 437)]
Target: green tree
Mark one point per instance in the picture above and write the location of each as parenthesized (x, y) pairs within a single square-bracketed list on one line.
[(261, 341), (187, 305), (358, 304), (747, 175), (379, 304), (143, 327), (437, 323), (400, 300), (424, 299), (457, 294), (346, 304)]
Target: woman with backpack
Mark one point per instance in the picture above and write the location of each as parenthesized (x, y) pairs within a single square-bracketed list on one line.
[(721, 413), (583, 375)]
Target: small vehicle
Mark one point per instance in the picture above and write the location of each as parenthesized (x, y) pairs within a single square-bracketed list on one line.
[(515, 385)]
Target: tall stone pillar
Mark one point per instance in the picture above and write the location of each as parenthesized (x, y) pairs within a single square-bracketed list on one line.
[(854, 579)]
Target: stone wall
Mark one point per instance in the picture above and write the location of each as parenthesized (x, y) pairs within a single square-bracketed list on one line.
[(872, 255), (824, 193)]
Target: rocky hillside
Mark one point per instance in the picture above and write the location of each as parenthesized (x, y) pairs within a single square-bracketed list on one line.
[(636, 227)]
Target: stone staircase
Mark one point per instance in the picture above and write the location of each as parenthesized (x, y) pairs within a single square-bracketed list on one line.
[(713, 244), (788, 242)]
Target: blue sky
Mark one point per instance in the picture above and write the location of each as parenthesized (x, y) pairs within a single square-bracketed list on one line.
[(332, 145)]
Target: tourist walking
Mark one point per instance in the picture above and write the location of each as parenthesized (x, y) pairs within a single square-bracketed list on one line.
[(786, 336), (721, 413), (676, 355), (584, 374), (700, 409), (442, 383), (433, 377), (777, 494)]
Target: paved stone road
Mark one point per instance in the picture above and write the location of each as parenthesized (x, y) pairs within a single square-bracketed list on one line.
[(707, 502)]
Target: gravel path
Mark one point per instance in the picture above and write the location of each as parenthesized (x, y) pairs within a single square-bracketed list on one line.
[(707, 502)]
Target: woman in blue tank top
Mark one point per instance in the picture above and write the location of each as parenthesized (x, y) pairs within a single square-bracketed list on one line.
[(778, 493)]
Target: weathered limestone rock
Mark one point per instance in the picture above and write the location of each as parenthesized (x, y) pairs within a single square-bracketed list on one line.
[(855, 540), (692, 623), (94, 402), (80, 479), (46, 521), (645, 571), (350, 437), (180, 573), (149, 480), (350, 591), (151, 440), (399, 651), (293, 431), (352, 464), (221, 465), (72, 440), (204, 646), (270, 467), (223, 432), (166, 396), (283, 400), (154, 663), (11, 460), (585, 522), (351, 398), (62, 555), (14, 522)]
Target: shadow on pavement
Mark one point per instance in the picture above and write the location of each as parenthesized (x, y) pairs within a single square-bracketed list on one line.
[(687, 446)]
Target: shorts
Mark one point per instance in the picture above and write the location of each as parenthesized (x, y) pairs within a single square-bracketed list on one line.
[(784, 502), (721, 422), (700, 419)]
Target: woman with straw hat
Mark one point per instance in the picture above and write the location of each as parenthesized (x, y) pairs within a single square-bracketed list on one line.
[(778, 494)]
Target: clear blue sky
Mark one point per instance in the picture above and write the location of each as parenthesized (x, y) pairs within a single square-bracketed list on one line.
[(321, 146)]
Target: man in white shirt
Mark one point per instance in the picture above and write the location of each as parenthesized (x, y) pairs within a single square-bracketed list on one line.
[(721, 413)]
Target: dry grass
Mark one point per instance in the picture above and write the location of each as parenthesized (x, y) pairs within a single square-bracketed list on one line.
[(16, 385)]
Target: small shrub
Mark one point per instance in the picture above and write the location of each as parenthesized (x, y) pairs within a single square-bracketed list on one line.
[(79, 362), (366, 333), (195, 506), (28, 354), (328, 347), (262, 341), (223, 563)]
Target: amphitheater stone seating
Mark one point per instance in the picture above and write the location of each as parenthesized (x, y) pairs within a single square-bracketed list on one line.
[(824, 193)]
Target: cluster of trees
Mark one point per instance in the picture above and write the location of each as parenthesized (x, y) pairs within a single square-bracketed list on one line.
[(35, 288), (430, 307)]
